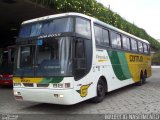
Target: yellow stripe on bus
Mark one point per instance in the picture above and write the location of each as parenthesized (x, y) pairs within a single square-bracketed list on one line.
[(27, 80)]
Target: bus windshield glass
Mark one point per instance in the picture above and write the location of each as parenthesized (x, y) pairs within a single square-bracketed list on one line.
[(47, 27), (50, 57)]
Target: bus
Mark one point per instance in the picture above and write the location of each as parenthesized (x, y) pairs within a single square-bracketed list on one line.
[(71, 57), (6, 65)]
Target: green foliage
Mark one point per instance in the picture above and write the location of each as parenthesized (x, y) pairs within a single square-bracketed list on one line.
[(156, 59), (97, 10)]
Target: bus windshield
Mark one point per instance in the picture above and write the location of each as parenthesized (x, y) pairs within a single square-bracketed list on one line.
[(50, 57), (47, 27)]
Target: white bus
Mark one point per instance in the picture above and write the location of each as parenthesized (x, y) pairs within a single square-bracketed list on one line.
[(68, 58)]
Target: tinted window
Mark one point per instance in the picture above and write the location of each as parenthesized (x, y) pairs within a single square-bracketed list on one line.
[(134, 45), (145, 48), (27, 56), (25, 31), (57, 25), (140, 46), (149, 49), (98, 35), (46, 27), (116, 40), (106, 37), (80, 60), (126, 43), (36, 29), (83, 27), (79, 49)]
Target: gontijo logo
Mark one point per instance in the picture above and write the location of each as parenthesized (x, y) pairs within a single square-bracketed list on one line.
[(84, 90)]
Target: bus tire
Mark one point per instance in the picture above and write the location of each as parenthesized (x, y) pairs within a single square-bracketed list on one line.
[(145, 76), (100, 92), (142, 80)]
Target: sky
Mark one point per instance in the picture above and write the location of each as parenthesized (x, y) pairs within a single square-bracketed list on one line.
[(143, 13)]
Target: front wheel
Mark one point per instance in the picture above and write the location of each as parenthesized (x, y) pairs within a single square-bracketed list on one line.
[(100, 92)]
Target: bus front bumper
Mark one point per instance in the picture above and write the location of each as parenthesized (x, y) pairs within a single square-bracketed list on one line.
[(64, 97)]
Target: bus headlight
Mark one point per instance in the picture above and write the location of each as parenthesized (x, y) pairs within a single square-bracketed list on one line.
[(58, 95), (17, 84)]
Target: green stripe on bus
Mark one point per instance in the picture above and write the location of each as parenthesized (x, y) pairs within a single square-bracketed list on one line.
[(51, 80), (119, 64)]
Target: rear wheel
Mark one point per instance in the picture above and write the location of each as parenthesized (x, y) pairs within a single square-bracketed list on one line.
[(145, 76), (142, 80), (100, 92)]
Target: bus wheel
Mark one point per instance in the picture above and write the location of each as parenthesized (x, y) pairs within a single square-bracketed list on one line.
[(142, 80), (100, 92), (145, 76)]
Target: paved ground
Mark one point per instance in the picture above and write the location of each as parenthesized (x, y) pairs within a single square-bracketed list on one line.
[(130, 99)]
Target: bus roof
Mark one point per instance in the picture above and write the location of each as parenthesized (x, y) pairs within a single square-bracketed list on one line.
[(85, 16)]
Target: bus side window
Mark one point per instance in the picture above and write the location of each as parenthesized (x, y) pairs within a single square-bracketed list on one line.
[(105, 37), (126, 43), (115, 40), (149, 49), (140, 47), (98, 35), (134, 45), (145, 48)]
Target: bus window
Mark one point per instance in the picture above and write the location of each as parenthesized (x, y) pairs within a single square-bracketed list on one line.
[(79, 59), (145, 48), (140, 46), (83, 27), (57, 25), (47, 27), (126, 43), (116, 40), (134, 45), (27, 56), (98, 35), (106, 37), (149, 49), (36, 29), (79, 49)]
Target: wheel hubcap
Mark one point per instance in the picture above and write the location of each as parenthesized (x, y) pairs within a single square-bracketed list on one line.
[(100, 90)]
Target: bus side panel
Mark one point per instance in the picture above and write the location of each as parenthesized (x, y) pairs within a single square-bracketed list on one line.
[(138, 63)]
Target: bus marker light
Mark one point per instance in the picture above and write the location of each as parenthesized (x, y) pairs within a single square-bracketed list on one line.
[(60, 85), (58, 95), (55, 85)]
